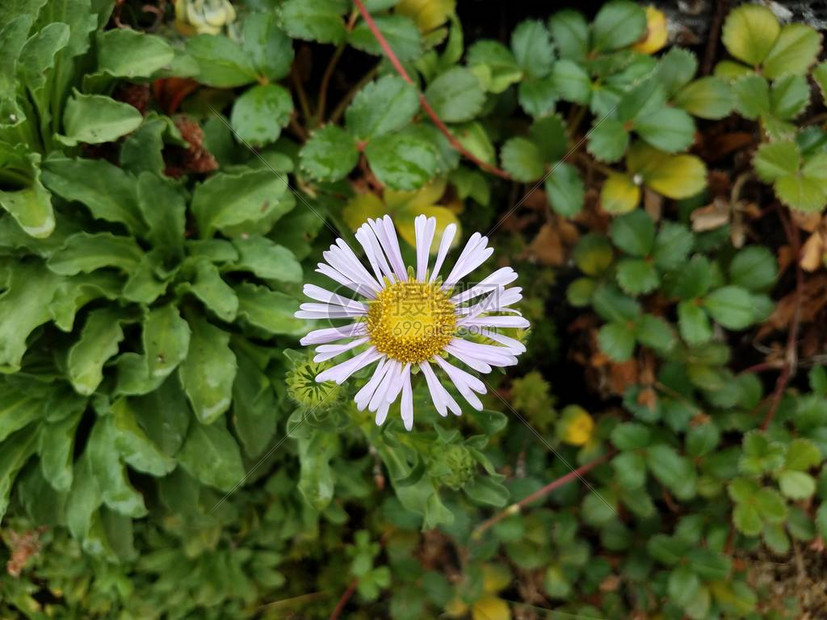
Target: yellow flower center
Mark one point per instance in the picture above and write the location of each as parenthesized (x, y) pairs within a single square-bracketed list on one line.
[(411, 321)]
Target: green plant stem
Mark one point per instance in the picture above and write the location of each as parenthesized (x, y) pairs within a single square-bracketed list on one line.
[(301, 94), (394, 60), (340, 606), (514, 509), (331, 67)]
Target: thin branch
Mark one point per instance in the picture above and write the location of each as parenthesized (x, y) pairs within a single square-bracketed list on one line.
[(391, 56), (331, 67), (300, 93), (713, 36), (514, 509), (791, 352), (340, 606)]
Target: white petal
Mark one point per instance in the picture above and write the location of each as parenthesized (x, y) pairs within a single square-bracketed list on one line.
[(396, 255), (425, 228), (342, 371), (364, 395), (474, 255), (443, 401), (444, 246), (407, 399), (344, 261), (378, 398), (501, 277), (396, 383), (466, 384), (329, 334), (469, 360), (320, 294), (482, 353), (329, 351), (333, 313), (514, 345), (328, 310), (498, 301), (495, 321), (382, 414), (373, 251), (362, 289), (391, 251)]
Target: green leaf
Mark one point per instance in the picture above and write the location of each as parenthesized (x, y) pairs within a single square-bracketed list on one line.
[(795, 49), (708, 97), (774, 160), (98, 342), (260, 112), (494, 64), (819, 74), (110, 473), (771, 505), (801, 193), (487, 492), (314, 20), (802, 454), (709, 564), (630, 470), (166, 338), (668, 129), (164, 415), (23, 195), (456, 95), (634, 233), (267, 260), (789, 96), (127, 53), (532, 48), (796, 484), (676, 69), (608, 140), (268, 310), (565, 189), (570, 33), (593, 254), (618, 23), (752, 96), (18, 410), (268, 47), (133, 444), (731, 306), (330, 154), (631, 436), (56, 448), (572, 80), (254, 403), (84, 252), (381, 107), (749, 33), (208, 372), (225, 201), (753, 268), (14, 452), (210, 288), (221, 62), (317, 480), (655, 333), (399, 31), (669, 551), (617, 341), (619, 194), (404, 160), (693, 323), (108, 192), (672, 246), (522, 160), (84, 499), (747, 519), (537, 96), (673, 470), (211, 455), (637, 276), (164, 209), (683, 585), (702, 439)]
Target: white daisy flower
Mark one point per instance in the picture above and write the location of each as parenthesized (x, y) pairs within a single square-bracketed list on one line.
[(412, 321)]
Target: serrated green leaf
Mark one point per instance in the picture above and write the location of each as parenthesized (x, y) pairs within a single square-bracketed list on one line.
[(381, 107), (532, 48), (570, 32), (655, 333), (637, 276), (796, 485), (521, 158), (731, 306), (565, 189), (753, 268), (789, 96), (752, 96), (456, 95), (776, 159), (668, 129), (749, 33), (208, 372), (708, 97), (400, 32), (260, 112), (683, 585), (617, 24), (634, 233), (617, 341), (537, 96), (221, 61), (608, 140), (330, 154), (501, 68), (693, 323), (268, 47), (572, 81), (795, 49), (403, 160)]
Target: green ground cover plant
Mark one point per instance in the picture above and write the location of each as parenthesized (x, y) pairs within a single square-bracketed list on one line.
[(170, 176)]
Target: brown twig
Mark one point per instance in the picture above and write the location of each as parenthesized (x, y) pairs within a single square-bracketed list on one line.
[(340, 606), (391, 56), (331, 67), (514, 509), (791, 352), (713, 36)]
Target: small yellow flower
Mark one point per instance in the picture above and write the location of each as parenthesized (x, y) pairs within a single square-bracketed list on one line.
[(657, 32), (203, 16), (576, 426)]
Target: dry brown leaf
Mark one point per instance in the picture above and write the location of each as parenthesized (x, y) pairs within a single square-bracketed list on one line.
[(813, 301), (813, 252)]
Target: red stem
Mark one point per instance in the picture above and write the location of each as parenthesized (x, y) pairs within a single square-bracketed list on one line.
[(391, 56), (340, 606), (540, 493)]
